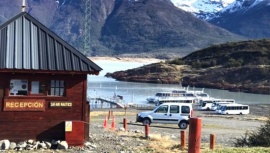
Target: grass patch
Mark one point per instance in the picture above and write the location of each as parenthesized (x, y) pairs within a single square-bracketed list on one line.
[(238, 150), (162, 144)]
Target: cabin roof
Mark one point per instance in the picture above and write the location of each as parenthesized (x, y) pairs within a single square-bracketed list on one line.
[(26, 44)]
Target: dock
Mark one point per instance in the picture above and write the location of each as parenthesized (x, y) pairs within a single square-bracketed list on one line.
[(105, 102)]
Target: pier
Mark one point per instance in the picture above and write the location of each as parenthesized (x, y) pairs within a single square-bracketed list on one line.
[(103, 102)]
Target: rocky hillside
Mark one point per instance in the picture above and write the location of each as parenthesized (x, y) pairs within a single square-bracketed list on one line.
[(242, 66), (157, 26), (121, 27)]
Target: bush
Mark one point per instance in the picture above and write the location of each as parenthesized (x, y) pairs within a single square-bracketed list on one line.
[(177, 61), (256, 138), (234, 63)]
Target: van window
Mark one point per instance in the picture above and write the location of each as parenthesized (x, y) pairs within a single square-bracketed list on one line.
[(174, 109), (185, 109), (162, 109)]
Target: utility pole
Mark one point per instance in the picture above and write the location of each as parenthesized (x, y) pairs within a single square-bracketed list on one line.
[(87, 27)]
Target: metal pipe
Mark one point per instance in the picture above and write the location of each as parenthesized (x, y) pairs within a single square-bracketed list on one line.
[(23, 6)]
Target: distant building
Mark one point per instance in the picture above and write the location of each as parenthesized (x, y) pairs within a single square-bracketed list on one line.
[(43, 84)]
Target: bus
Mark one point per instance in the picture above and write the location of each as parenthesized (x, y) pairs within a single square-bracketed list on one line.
[(221, 101), (235, 109), (206, 105), (219, 107)]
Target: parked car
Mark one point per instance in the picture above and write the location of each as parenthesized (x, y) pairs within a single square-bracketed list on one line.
[(167, 113)]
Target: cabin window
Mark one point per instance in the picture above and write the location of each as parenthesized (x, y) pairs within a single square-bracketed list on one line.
[(38, 87), (57, 88), (18, 87)]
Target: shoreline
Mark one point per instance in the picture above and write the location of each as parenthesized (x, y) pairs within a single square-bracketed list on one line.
[(126, 59)]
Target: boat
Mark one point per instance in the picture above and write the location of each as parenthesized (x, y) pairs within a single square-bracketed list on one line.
[(179, 95), (166, 95), (175, 100), (200, 95)]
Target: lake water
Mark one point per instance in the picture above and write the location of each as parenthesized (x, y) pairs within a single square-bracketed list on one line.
[(100, 86)]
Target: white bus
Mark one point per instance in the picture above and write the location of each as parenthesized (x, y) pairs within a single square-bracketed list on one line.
[(235, 109), (205, 105), (219, 107), (221, 101)]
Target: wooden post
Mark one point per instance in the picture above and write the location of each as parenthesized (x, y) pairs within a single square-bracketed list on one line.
[(112, 113), (183, 139), (212, 141), (125, 124), (146, 127), (109, 115), (194, 138)]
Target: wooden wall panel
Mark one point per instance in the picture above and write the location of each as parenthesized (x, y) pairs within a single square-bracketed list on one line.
[(76, 136), (47, 124), (24, 130)]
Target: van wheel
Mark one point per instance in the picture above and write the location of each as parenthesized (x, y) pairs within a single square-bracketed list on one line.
[(183, 124), (241, 113), (146, 121)]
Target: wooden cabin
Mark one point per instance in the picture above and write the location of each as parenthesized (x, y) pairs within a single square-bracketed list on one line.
[(43, 84)]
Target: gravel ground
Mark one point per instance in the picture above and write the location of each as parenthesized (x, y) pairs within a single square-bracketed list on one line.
[(226, 128)]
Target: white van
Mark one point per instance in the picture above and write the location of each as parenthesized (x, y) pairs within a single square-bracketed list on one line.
[(168, 113), (235, 109)]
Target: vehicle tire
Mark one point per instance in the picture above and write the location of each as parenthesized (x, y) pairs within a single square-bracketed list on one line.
[(183, 124), (146, 121), (241, 113)]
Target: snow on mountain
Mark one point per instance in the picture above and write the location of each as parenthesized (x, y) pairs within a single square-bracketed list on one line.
[(241, 4), (204, 9), (248, 18)]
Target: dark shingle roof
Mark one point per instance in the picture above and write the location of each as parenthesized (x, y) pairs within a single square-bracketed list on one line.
[(26, 44)]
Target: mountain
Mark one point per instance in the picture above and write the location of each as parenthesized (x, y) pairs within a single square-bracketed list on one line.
[(149, 27), (157, 26), (203, 9), (248, 18)]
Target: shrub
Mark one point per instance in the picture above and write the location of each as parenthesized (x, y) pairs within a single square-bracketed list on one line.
[(256, 138), (177, 61), (234, 63)]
